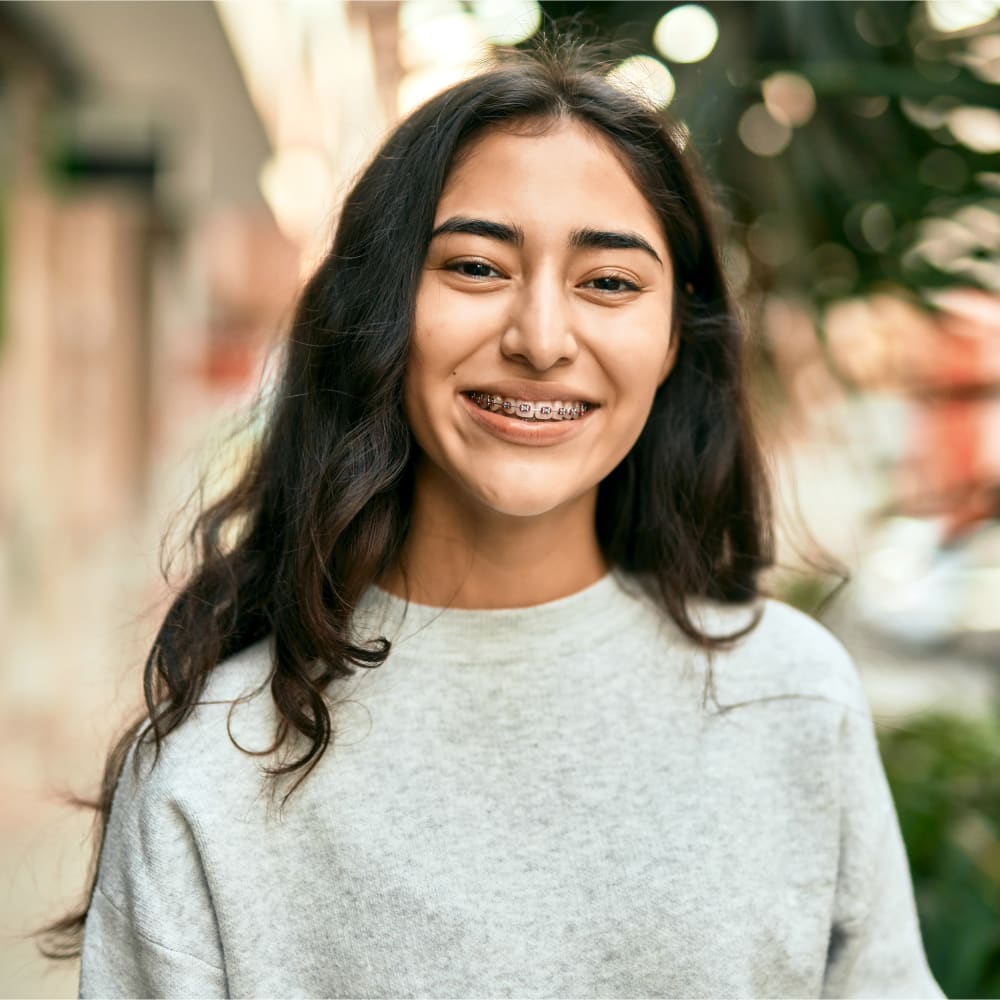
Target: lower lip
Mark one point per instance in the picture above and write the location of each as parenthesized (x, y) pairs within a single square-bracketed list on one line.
[(536, 432)]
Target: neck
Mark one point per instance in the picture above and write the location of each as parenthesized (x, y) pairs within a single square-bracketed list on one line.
[(461, 555)]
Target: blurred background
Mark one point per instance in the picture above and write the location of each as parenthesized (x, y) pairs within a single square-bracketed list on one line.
[(170, 172)]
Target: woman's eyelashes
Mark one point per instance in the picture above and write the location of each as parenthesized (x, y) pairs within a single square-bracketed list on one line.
[(604, 281), (476, 269), (480, 270)]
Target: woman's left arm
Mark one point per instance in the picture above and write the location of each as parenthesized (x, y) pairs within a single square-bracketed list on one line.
[(875, 946)]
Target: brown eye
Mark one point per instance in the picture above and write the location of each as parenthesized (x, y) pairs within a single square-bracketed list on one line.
[(473, 269), (613, 283)]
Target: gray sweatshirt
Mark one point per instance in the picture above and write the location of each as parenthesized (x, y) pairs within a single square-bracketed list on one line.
[(532, 802)]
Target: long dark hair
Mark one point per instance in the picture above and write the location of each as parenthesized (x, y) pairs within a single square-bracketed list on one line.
[(322, 508)]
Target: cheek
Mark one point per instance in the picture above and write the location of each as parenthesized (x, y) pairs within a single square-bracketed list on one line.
[(428, 387), (452, 332), (429, 358), (418, 401), (639, 369), (659, 352)]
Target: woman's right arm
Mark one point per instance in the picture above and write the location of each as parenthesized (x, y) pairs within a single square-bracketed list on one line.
[(151, 929)]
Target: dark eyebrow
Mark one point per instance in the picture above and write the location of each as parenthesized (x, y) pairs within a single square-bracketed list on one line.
[(597, 239), (601, 239), (481, 227)]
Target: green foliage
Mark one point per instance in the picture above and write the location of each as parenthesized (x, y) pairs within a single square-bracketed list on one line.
[(945, 777)]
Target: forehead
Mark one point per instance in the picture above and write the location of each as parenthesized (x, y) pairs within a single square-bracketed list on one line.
[(560, 171)]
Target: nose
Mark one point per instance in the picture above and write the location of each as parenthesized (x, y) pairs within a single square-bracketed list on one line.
[(539, 331)]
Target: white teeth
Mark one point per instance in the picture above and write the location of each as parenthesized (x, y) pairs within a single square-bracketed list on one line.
[(554, 409)]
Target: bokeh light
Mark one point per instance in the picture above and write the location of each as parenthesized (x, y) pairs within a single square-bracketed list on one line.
[(930, 115), (871, 107), (646, 78), (507, 22), (959, 15), (762, 133), (878, 226), (438, 32), (789, 98), (983, 57), (977, 128), (686, 34), (440, 43)]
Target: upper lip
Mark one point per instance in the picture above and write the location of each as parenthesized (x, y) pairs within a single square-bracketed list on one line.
[(532, 392)]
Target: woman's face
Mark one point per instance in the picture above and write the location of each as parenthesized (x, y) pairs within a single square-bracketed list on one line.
[(547, 288)]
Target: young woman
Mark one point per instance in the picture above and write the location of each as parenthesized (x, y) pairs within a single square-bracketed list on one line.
[(474, 692)]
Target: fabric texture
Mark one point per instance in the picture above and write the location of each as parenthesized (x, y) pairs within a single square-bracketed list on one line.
[(533, 802)]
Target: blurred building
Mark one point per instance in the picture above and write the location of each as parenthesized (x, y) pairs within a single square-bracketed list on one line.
[(144, 275), (148, 264)]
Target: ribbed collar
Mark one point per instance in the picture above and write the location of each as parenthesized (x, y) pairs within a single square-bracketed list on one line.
[(556, 627)]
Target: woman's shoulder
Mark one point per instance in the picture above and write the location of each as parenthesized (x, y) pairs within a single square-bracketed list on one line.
[(786, 654), (205, 756)]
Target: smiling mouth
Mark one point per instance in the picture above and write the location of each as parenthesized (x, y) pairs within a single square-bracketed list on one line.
[(531, 410)]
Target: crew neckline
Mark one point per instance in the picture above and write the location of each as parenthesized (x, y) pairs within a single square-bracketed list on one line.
[(563, 625)]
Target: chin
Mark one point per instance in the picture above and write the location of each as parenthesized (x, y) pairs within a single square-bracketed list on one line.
[(518, 507), (520, 501)]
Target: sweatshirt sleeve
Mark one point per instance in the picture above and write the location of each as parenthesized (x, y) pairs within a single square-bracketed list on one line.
[(151, 929), (875, 947)]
